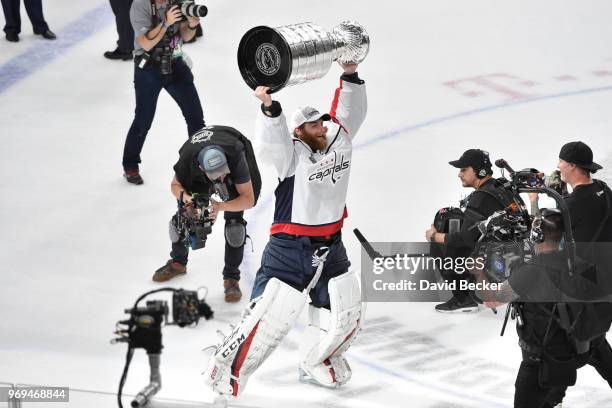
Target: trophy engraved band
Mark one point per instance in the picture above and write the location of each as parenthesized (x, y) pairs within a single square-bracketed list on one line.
[(293, 54)]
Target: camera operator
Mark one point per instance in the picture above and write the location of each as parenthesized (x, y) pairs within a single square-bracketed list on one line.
[(589, 205), (549, 356), (589, 201), (217, 158), (159, 63), (475, 172)]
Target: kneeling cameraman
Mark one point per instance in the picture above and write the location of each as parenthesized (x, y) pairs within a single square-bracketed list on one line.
[(475, 171), (217, 159), (550, 357)]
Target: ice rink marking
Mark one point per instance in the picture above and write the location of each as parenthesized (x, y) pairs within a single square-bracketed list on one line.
[(391, 135), (38, 56)]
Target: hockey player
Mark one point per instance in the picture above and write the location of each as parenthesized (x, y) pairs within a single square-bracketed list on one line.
[(305, 255)]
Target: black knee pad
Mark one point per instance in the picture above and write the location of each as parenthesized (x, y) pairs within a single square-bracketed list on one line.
[(175, 235), (235, 232)]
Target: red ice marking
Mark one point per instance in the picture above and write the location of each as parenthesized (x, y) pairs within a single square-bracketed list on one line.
[(504, 84), (565, 78), (602, 73)]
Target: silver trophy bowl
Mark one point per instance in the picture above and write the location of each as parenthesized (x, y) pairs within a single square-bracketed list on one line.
[(293, 54)]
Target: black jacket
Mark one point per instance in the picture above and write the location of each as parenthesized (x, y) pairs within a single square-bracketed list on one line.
[(234, 144), (479, 205)]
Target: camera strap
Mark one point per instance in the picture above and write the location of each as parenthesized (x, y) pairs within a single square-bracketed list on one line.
[(608, 199), (154, 16)]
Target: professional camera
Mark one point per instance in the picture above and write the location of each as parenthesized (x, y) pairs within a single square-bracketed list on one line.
[(504, 243), (189, 8), (532, 178), (192, 222), (162, 53), (143, 330)]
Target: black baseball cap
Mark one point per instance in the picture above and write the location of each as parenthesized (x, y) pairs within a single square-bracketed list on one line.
[(580, 154), (475, 158)]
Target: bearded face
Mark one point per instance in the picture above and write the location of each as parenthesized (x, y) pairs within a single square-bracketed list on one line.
[(314, 134)]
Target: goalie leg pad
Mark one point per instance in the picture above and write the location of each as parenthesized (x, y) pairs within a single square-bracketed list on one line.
[(265, 322), (331, 332)]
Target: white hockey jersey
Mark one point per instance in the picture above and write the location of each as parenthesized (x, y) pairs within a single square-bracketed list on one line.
[(311, 194)]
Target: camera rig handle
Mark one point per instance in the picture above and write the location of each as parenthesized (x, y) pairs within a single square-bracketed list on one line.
[(503, 164), (570, 244), (540, 187)]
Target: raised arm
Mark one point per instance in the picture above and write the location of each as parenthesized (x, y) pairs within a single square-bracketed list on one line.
[(274, 144), (350, 103)]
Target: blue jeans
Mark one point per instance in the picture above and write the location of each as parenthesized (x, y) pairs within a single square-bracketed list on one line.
[(290, 261), (148, 83)]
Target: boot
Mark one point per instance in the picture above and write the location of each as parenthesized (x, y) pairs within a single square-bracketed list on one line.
[(133, 177), (118, 54), (169, 271), (232, 290)]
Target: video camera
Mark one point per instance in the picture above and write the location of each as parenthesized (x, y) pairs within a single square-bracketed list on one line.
[(504, 242), (532, 178), (143, 330), (193, 222)]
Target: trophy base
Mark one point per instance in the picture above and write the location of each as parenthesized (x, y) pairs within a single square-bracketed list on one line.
[(264, 58)]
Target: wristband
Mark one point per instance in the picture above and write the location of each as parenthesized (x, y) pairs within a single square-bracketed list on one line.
[(164, 25)]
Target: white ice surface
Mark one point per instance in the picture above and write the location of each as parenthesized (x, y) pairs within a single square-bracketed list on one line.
[(79, 244)]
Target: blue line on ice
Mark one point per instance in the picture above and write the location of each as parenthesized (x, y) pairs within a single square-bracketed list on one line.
[(45, 52), (459, 115), (396, 133)]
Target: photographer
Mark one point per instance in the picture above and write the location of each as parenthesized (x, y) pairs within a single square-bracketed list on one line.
[(159, 63), (217, 159), (475, 172), (549, 356)]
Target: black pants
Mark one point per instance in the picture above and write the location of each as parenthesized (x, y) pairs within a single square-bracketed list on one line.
[(13, 18), (600, 359), (148, 83), (463, 296), (121, 9), (527, 390), (233, 256)]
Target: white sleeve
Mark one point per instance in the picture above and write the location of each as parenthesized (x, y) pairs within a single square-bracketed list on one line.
[(350, 106), (273, 144)]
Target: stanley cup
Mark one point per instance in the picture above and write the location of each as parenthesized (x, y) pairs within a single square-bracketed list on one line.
[(293, 54)]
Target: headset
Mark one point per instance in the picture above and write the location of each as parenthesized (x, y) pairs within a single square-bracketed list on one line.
[(537, 235), (482, 172)]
